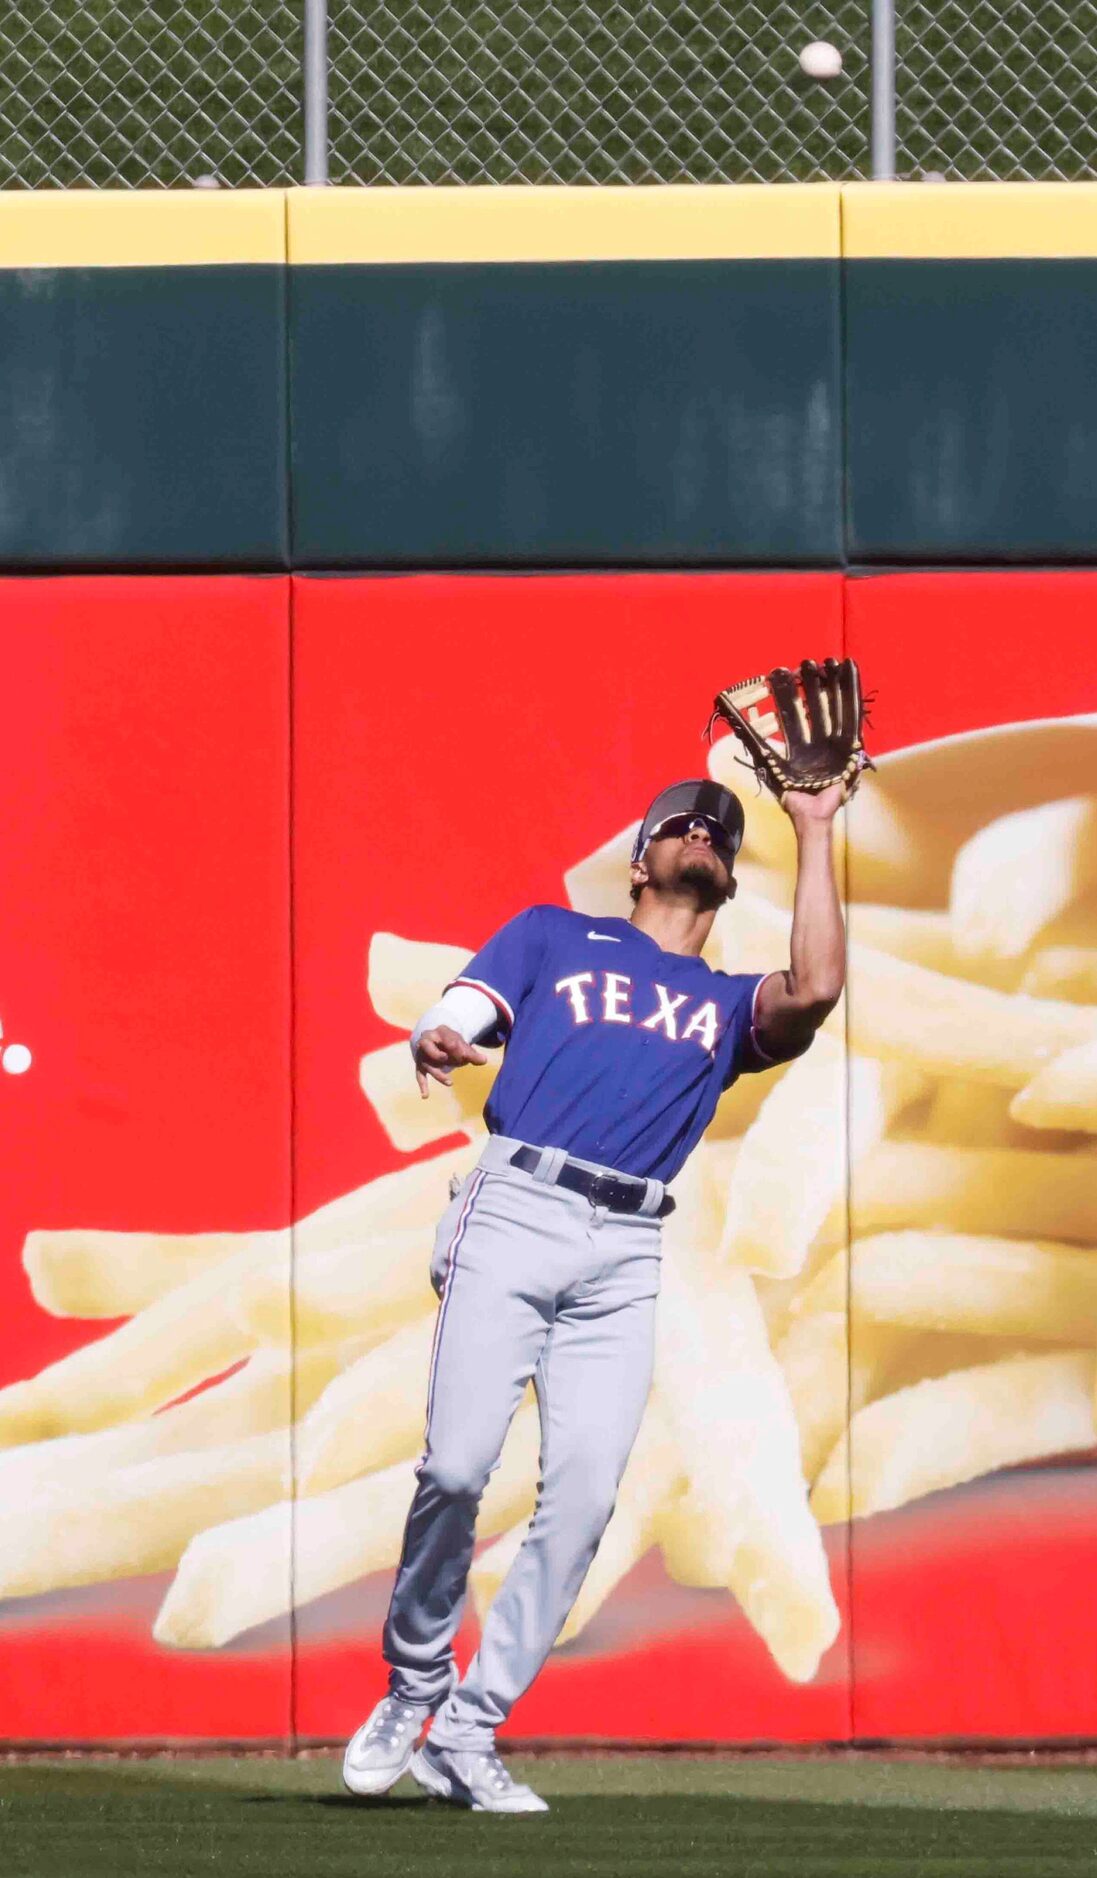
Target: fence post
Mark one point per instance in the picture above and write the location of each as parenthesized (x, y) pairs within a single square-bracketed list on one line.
[(883, 90), (316, 91)]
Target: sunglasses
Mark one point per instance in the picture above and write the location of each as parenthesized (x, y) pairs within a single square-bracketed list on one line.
[(681, 825)]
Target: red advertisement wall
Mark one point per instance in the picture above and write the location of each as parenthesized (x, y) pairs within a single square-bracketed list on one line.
[(227, 894), (972, 1617), (145, 966)]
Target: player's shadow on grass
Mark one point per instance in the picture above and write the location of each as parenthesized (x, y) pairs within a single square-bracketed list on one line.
[(343, 1802)]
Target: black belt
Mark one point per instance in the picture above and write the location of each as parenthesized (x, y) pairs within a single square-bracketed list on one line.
[(619, 1192)]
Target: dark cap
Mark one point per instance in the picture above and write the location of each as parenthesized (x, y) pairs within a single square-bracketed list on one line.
[(699, 798)]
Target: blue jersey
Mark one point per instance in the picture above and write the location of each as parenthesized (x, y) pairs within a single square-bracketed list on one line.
[(617, 1051)]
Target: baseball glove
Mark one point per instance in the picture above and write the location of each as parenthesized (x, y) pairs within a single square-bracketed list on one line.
[(800, 730)]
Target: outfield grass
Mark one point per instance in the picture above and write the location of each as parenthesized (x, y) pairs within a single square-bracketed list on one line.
[(636, 1816)]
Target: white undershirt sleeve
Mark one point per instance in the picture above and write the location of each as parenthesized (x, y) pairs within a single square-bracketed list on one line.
[(469, 1012)]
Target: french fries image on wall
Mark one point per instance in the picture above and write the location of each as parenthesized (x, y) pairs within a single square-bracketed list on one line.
[(880, 1282)]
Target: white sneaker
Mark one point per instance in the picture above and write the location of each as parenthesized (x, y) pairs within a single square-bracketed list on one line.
[(380, 1751), (476, 1780)]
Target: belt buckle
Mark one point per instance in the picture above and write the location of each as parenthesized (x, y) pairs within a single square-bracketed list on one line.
[(600, 1190)]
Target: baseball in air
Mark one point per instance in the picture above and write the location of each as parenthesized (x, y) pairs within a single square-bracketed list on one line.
[(820, 60)]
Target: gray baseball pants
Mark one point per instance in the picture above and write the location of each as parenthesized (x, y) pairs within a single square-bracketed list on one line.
[(534, 1282)]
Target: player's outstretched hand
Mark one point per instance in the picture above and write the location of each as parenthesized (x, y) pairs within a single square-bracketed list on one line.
[(802, 805), (440, 1051)]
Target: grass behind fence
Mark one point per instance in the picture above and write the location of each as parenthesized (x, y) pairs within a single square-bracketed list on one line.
[(103, 92)]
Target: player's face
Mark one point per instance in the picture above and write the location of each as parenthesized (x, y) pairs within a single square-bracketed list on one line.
[(691, 855)]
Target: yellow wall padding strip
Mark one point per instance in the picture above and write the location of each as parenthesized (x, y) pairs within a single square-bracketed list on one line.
[(141, 227), (969, 221), (663, 222), (657, 222)]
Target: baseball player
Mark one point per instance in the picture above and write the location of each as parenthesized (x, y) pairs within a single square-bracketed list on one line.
[(619, 1042)]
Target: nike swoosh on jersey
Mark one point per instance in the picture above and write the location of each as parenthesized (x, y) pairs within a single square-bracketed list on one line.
[(609, 937)]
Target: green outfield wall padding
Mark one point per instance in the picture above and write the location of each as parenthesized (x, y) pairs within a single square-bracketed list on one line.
[(596, 413), (971, 410), (143, 416), (792, 376)]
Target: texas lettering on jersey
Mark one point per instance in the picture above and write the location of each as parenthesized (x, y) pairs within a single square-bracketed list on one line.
[(608, 996), (618, 1057)]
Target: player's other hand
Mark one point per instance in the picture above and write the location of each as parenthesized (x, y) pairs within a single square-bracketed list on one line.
[(439, 1052)]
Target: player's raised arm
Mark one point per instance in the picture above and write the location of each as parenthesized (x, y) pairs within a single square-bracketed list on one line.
[(803, 732), (792, 1004)]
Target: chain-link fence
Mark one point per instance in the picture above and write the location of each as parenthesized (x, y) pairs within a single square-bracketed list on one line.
[(997, 88), (595, 92), (97, 91), (103, 92)]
